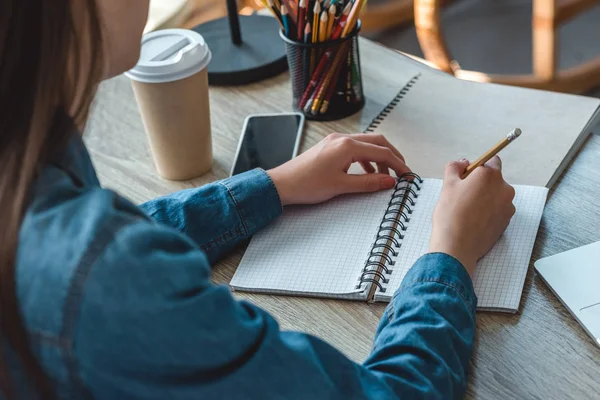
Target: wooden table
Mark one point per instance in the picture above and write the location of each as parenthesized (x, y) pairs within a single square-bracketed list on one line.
[(541, 352)]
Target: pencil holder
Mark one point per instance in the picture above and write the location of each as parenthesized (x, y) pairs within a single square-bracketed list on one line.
[(326, 77)]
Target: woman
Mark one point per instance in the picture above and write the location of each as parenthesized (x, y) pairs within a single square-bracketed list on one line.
[(100, 298)]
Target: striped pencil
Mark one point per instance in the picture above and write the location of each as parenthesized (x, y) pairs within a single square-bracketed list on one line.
[(329, 92), (318, 98), (315, 78)]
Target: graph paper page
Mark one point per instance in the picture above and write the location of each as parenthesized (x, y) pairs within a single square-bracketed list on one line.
[(314, 250), (501, 273)]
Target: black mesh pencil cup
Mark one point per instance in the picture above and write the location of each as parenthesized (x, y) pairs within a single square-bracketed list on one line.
[(326, 77)]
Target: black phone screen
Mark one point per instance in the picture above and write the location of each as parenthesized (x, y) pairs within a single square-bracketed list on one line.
[(268, 142)]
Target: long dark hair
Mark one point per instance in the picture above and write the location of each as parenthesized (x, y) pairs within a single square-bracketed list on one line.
[(50, 64)]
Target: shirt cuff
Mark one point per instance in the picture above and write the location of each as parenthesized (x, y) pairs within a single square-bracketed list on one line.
[(255, 197), (443, 269)]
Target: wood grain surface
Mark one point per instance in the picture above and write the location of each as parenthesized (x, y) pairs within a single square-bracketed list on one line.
[(540, 352)]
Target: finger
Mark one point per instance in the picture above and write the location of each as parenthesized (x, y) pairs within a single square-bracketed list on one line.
[(383, 169), (369, 169), (379, 140), (382, 155), (495, 163), (455, 170), (366, 183)]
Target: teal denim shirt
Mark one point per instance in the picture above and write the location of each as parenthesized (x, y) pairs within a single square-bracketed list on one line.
[(119, 304)]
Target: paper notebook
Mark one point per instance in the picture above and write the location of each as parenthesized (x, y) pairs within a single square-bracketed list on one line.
[(361, 247), (436, 118)]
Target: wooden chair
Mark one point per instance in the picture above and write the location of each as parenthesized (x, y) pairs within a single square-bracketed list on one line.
[(389, 14), (547, 17)]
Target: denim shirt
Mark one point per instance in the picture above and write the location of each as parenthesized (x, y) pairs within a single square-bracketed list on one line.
[(118, 302)]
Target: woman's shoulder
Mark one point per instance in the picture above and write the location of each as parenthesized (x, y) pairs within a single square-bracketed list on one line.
[(65, 227), (88, 258)]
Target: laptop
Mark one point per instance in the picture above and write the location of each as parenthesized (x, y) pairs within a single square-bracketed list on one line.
[(574, 277)]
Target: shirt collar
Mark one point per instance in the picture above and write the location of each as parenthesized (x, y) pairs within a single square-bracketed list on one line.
[(75, 160)]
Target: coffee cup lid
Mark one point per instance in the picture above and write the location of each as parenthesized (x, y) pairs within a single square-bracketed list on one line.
[(169, 55)]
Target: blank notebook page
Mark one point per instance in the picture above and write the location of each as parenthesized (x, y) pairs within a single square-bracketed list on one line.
[(501, 273), (441, 118), (314, 250)]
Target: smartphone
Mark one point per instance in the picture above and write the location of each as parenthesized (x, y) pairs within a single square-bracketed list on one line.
[(268, 140)]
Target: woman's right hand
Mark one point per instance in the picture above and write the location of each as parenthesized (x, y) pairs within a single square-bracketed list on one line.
[(472, 213)]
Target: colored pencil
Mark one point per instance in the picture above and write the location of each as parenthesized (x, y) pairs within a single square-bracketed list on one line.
[(301, 19), (292, 7), (323, 26), (326, 80), (329, 92), (315, 22), (315, 77), (306, 53), (275, 11), (307, 33), (352, 17), (341, 24), (331, 20), (287, 23)]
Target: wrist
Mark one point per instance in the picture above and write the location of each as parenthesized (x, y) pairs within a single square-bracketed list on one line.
[(280, 185)]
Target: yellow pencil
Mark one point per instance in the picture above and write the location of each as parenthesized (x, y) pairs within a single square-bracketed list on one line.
[(331, 20), (353, 17), (323, 26), (315, 24), (515, 133)]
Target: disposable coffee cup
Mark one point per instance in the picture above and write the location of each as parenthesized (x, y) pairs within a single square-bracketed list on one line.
[(170, 83)]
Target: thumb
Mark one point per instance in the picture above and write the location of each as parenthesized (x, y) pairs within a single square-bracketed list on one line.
[(367, 183), (455, 170)]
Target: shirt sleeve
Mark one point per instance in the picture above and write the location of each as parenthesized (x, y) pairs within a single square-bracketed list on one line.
[(220, 215), (152, 325), (427, 335)]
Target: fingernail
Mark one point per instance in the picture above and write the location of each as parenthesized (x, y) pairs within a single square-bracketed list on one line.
[(463, 159)]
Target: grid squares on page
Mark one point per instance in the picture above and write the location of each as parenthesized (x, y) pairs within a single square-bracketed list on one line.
[(312, 250), (500, 274)]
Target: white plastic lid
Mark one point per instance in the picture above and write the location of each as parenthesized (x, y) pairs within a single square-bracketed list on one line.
[(170, 55)]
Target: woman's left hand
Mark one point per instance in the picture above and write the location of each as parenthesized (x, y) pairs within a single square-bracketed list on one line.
[(322, 172)]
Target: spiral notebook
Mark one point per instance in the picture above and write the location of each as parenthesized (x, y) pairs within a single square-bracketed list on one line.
[(361, 247)]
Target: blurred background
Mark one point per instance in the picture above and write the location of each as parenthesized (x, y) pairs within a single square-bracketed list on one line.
[(487, 36)]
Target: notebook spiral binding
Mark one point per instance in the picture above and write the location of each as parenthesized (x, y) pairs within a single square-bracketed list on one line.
[(395, 219), (390, 107), (390, 234)]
